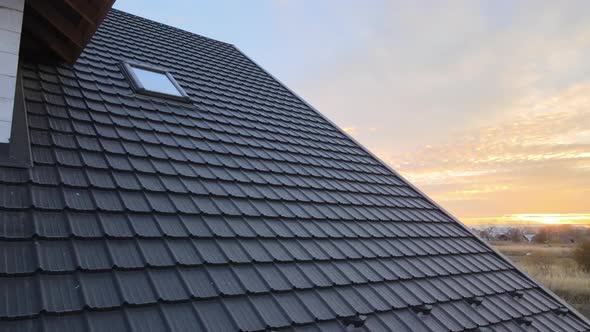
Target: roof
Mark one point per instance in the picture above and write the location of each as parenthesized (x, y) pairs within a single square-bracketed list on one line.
[(241, 209)]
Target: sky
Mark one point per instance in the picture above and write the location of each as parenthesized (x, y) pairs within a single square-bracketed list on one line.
[(483, 105)]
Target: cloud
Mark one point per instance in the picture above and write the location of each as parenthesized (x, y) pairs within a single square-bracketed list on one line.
[(532, 159), (427, 71), (350, 130)]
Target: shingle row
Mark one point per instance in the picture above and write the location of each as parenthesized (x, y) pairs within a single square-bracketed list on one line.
[(23, 257), (75, 292), (140, 124), (61, 224), (153, 184), (304, 310), (186, 162), (203, 138), (172, 176), (187, 148), (23, 197), (167, 154)]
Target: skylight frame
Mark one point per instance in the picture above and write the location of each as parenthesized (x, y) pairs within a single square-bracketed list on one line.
[(138, 86)]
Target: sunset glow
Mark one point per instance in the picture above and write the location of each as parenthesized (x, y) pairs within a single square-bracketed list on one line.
[(533, 219)]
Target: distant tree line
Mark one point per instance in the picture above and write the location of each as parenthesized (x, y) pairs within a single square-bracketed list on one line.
[(561, 234), (547, 234)]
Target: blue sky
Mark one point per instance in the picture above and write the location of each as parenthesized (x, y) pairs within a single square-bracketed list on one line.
[(482, 104)]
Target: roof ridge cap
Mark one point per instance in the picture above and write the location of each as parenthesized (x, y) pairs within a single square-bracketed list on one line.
[(135, 16)]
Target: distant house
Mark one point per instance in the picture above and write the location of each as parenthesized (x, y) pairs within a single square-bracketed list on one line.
[(503, 237), (528, 237), (163, 181)]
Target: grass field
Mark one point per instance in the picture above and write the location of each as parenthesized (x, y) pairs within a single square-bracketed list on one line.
[(554, 267)]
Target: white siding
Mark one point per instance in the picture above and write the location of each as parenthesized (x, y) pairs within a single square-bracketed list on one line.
[(11, 19)]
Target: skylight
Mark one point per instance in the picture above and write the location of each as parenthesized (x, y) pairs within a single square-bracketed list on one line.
[(153, 81)]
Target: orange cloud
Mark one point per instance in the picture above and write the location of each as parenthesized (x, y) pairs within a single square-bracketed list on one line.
[(532, 163), (350, 130)]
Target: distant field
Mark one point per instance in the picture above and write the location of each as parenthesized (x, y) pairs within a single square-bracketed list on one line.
[(554, 267)]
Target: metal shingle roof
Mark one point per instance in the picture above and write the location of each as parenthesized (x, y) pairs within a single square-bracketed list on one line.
[(243, 209)]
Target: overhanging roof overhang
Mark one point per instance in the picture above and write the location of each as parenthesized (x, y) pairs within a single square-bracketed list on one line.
[(58, 30)]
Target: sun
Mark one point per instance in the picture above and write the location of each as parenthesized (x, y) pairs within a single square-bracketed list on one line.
[(552, 219)]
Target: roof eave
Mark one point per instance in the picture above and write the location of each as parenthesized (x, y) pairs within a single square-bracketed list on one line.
[(59, 32)]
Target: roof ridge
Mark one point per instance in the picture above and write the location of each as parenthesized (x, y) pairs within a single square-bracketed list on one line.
[(167, 26)]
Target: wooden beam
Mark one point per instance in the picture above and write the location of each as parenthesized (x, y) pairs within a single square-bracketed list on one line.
[(57, 19), (85, 9), (91, 13), (66, 26), (49, 36), (100, 14)]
